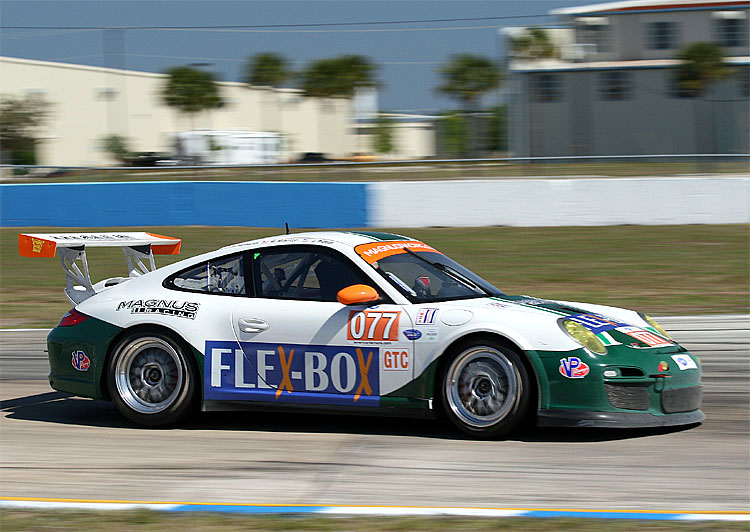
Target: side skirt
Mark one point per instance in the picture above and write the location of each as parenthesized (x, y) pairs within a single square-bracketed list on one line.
[(255, 406)]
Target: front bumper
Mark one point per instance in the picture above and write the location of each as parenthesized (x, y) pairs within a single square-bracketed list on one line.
[(623, 420)]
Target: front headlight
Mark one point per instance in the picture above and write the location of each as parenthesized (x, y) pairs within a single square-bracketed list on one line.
[(651, 321), (583, 336)]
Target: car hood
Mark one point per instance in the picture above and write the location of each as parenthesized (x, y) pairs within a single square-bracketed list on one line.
[(533, 322)]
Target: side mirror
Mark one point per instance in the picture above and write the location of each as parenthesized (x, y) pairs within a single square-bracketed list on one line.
[(357, 293)]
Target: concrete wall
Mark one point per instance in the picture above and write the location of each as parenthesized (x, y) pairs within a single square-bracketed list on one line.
[(242, 204), (561, 202), (512, 202)]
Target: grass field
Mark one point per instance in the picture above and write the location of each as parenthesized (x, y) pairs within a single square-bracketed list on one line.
[(146, 521), (656, 269)]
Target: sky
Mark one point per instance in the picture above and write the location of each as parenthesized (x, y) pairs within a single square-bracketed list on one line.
[(408, 53)]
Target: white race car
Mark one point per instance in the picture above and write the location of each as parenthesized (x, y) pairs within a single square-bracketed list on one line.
[(356, 321)]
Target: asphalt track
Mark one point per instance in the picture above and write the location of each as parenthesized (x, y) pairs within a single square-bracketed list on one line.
[(57, 446)]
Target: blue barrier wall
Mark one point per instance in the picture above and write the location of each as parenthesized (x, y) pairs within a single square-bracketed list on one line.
[(222, 203)]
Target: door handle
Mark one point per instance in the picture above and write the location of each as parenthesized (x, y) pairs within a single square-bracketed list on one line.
[(252, 325)]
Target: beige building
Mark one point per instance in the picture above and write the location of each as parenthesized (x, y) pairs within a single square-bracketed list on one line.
[(413, 136), (89, 103)]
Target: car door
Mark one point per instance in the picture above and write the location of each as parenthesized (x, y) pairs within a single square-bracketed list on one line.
[(295, 343)]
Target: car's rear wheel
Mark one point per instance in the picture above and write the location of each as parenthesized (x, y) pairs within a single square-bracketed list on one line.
[(151, 379), (486, 390)]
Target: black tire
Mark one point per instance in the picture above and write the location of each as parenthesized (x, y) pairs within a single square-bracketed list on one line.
[(485, 389), (151, 378)]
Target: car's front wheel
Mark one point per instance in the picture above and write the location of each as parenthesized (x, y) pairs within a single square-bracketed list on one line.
[(486, 390), (151, 379)]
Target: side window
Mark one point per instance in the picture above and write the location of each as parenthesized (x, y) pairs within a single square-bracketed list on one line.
[(296, 273), (225, 275), (662, 35)]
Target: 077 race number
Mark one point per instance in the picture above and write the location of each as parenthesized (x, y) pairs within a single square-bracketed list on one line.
[(374, 326)]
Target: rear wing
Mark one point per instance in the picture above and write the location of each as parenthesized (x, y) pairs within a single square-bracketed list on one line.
[(71, 247)]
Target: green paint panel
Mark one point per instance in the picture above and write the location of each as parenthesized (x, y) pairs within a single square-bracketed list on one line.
[(62, 342), (635, 370)]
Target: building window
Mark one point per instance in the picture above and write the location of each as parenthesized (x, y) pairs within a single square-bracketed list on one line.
[(615, 85), (546, 87), (106, 95), (731, 32), (593, 31), (662, 35), (744, 82)]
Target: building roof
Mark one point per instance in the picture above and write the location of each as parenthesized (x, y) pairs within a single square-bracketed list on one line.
[(643, 64), (639, 6)]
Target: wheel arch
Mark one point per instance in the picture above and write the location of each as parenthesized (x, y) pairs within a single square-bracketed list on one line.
[(190, 352), (532, 366)]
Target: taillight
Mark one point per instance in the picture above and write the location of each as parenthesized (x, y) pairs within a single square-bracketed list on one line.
[(72, 317)]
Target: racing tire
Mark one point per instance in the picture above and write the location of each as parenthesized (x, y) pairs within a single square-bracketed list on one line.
[(152, 379), (485, 389)]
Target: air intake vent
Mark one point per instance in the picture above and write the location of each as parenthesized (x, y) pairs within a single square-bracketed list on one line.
[(682, 399), (631, 372), (630, 396)]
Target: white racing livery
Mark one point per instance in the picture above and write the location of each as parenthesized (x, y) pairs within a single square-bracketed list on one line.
[(351, 321)]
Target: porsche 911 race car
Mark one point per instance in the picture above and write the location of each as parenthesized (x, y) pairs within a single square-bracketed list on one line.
[(352, 321)]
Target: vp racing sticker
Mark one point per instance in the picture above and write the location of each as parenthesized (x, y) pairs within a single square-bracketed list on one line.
[(573, 368), (80, 361)]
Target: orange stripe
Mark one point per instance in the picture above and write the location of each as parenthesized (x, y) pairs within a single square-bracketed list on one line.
[(375, 251)]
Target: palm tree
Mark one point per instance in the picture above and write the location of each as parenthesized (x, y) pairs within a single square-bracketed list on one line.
[(467, 77), (533, 44), (267, 70), (702, 65), (191, 91), (337, 77)]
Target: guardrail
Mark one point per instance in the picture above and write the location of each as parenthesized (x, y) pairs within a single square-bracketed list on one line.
[(689, 158)]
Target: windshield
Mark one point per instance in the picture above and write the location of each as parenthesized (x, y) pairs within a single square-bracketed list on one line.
[(424, 275)]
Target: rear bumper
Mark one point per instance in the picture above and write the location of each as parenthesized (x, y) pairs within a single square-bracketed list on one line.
[(582, 418)]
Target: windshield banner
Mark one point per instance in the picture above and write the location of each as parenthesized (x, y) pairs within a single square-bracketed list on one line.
[(379, 250)]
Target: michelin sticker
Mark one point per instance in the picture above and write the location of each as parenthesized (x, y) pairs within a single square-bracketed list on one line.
[(684, 362)]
